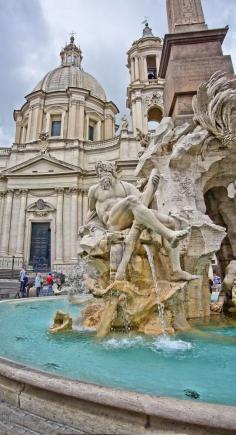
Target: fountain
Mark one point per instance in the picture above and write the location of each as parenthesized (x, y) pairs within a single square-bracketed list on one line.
[(143, 279), (118, 357), (134, 250)]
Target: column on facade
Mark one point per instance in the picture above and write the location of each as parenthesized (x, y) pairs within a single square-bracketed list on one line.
[(6, 226), (108, 126), (71, 120), (47, 128), (21, 223), (136, 68), (98, 125), (85, 206), (2, 200), (145, 68), (140, 67), (132, 70), (74, 223), (80, 208), (63, 115), (59, 225), (18, 131), (81, 122), (134, 123), (87, 127), (157, 63), (23, 134), (28, 133), (39, 127), (35, 122), (139, 113)]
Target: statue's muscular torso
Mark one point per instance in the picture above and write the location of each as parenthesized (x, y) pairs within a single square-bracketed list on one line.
[(103, 200)]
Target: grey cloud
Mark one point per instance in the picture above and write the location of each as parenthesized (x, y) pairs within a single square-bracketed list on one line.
[(33, 32), (24, 34)]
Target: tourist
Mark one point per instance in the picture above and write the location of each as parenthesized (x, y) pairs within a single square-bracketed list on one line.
[(29, 286), (26, 279), (22, 280), (49, 283), (42, 281), (38, 283), (216, 282)]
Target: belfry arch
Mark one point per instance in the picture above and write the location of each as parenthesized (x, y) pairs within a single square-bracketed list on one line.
[(154, 117)]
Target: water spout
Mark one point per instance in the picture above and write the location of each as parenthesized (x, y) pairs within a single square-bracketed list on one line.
[(160, 306)]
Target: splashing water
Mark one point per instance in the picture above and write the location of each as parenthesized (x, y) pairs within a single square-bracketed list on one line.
[(162, 343), (75, 283), (168, 344), (160, 306)]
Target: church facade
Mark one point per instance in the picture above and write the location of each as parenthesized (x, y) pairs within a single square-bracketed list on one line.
[(65, 126)]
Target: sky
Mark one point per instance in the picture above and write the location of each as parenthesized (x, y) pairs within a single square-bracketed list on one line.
[(34, 31)]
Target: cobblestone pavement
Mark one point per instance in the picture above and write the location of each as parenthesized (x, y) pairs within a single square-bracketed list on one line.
[(15, 421)]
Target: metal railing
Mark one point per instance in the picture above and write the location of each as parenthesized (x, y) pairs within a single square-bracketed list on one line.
[(11, 263)]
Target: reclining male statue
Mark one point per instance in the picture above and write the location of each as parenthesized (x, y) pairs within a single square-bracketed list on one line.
[(118, 203)]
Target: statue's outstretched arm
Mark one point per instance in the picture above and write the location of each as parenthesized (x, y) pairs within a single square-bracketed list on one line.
[(92, 199)]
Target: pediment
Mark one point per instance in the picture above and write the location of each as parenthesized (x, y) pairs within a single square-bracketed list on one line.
[(41, 165)]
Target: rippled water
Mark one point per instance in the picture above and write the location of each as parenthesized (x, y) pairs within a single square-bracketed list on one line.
[(201, 361)]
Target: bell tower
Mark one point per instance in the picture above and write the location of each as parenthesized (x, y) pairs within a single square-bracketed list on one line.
[(144, 93)]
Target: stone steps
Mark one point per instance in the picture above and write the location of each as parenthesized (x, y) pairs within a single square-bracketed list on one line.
[(9, 274), (17, 421), (8, 288)]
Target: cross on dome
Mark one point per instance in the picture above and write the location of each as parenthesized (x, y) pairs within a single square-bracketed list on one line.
[(72, 36), (71, 55), (147, 31)]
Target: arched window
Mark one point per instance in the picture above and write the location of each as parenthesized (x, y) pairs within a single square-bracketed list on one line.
[(154, 117)]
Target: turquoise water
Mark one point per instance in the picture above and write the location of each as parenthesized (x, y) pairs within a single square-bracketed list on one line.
[(202, 361)]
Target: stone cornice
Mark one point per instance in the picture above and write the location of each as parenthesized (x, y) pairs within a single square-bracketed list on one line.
[(187, 38)]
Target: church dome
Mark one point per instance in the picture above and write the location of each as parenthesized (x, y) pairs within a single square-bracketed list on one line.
[(59, 79), (70, 74)]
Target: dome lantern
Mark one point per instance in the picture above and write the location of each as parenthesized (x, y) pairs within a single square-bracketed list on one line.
[(147, 31), (71, 54)]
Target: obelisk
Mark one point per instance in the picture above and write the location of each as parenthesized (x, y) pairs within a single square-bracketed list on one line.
[(191, 54), (185, 15)]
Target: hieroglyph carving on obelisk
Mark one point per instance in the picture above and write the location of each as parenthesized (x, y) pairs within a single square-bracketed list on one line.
[(184, 13)]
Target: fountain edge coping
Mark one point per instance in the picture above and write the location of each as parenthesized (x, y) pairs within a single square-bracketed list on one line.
[(185, 411), (182, 411)]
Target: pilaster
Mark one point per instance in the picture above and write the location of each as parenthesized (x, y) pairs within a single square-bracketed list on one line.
[(59, 225), (6, 223), (21, 227)]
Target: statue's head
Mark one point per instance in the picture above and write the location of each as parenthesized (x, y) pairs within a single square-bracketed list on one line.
[(106, 172)]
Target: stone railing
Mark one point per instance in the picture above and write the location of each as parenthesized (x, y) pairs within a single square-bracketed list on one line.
[(101, 143), (65, 268), (5, 151), (11, 263)]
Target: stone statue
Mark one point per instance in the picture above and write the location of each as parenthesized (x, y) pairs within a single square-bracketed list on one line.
[(230, 276), (124, 123), (143, 138), (43, 141), (119, 203), (133, 238)]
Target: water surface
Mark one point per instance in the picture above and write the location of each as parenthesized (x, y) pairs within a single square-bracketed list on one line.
[(200, 361)]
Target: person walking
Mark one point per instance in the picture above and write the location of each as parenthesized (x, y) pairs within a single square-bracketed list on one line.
[(49, 283), (26, 279), (22, 281), (38, 283)]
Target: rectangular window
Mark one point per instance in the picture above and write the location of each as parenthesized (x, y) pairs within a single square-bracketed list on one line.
[(56, 128), (91, 132), (151, 67)]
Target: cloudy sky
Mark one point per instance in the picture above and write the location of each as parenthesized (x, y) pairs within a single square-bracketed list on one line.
[(34, 31)]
